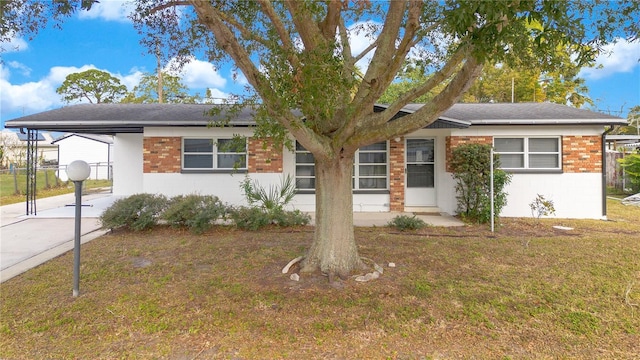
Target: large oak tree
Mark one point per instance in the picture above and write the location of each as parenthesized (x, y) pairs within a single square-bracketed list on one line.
[(332, 60)]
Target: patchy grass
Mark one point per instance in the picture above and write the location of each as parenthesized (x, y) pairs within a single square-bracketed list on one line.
[(525, 291), (10, 197)]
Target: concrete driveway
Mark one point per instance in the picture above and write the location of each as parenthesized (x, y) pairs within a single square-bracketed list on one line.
[(28, 241)]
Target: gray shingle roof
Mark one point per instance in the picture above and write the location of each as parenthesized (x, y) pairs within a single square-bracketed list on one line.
[(526, 113), (132, 118), (125, 118)]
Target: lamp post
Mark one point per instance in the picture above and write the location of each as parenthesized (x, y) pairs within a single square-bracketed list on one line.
[(78, 171)]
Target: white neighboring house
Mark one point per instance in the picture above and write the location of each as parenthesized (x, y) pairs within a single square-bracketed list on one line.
[(14, 146), (96, 150)]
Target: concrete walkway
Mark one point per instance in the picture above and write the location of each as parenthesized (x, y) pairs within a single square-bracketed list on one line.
[(28, 241)]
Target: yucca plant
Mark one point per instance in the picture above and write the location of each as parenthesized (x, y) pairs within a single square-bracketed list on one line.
[(270, 199)]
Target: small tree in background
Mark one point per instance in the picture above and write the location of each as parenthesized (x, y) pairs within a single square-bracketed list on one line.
[(471, 164), (92, 85), (631, 165), (173, 91)]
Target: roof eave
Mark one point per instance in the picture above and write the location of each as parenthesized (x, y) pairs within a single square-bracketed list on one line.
[(599, 122)]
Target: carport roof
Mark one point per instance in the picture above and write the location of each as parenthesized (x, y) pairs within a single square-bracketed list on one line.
[(133, 118)]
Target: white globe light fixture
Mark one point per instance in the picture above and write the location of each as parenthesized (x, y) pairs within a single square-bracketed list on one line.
[(78, 171)]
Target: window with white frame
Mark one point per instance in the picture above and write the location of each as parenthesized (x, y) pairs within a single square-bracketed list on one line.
[(214, 154), (370, 169), (539, 153)]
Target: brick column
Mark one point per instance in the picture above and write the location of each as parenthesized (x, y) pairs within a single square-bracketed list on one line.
[(396, 175)]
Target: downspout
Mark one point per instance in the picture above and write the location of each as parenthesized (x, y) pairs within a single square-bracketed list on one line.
[(604, 170)]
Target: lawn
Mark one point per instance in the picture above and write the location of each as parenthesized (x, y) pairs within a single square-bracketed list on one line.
[(46, 185), (526, 291)]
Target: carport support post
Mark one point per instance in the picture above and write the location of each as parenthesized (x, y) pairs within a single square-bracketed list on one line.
[(76, 244)]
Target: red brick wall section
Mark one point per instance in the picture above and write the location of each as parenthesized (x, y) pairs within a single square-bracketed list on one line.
[(264, 157), (396, 175), (453, 142), (161, 154), (582, 154)]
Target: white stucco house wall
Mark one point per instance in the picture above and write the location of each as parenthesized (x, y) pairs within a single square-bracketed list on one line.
[(551, 150), (96, 150)]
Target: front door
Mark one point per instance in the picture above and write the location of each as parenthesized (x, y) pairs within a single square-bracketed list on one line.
[(420, 172)]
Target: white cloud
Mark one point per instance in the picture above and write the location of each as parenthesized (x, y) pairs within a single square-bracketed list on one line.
[(217, 96), (15, 44), (27, 98), (198, 74), (130, 80), (360, 38), (621, 57), (24, 69), (109, 10), (37, 96)]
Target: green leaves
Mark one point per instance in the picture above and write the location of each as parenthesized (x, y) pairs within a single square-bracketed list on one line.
[(471, 165), (631, 165), (92, 85)]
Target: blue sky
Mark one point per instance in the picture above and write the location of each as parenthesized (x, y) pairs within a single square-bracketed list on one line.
[(104, 38)]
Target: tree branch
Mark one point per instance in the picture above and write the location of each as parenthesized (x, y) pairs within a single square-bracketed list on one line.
[(170, 4), (282, 32), (429, 112), (306, 26), (331, 21)]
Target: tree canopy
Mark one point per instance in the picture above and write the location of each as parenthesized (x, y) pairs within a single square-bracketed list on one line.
[(92, 85), (173, 90), (332, 61)]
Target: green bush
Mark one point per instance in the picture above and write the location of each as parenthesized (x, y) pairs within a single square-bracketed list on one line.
[(254, 218), (197, 212), (471, 164), (406, 222), (137, 212), (631, 165), (249, 218), (289, 218)]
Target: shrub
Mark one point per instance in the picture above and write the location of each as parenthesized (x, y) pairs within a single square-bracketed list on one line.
[(249, 218), (289, 218), (137, 212), (471, 165), (254, 218), (542, 207), (197, 212), (406, 222)]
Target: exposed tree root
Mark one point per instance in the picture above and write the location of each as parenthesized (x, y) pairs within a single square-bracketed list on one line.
[(291, 263), (333, 276)]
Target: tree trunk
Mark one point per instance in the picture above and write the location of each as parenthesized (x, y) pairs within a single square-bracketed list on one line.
[(334, 249)]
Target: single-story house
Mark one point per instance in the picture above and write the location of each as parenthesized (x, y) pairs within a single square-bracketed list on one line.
[(14, 146), (552, 150), (95, 149)]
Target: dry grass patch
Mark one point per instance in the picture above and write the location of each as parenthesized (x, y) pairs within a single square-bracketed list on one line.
[(455, 293)]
